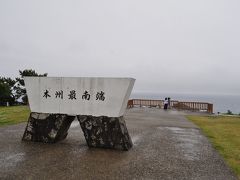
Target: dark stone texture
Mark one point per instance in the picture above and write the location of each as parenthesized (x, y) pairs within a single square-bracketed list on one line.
[(102, 131), (47, 128), (105, 132)]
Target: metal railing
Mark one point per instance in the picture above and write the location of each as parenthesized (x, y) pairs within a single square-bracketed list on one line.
[(180, 105)]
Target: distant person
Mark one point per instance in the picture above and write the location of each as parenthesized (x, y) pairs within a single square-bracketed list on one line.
[(165, 103), (169, 102)]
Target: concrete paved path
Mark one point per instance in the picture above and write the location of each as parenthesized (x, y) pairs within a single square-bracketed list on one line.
[(166, 146)]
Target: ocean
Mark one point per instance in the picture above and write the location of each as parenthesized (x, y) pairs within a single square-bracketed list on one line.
[(221, 103)]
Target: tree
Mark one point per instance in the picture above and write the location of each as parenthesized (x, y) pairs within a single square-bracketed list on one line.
[(6, 95), (20, 86), (9, 81), (229, 112)]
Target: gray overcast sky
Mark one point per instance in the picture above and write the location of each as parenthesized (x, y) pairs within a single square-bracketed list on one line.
[(167, 45)]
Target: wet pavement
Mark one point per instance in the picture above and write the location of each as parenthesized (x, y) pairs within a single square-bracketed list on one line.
[(166, 146)]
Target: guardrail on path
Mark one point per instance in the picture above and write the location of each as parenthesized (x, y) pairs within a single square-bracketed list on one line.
[(180, 105)]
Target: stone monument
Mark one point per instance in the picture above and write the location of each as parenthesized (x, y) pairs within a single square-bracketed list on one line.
[(98, 103)]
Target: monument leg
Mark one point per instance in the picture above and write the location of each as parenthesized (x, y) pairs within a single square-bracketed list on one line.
[(105, 132), (47, 128)]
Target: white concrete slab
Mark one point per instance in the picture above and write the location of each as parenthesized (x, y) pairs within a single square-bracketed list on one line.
[(79, 95)]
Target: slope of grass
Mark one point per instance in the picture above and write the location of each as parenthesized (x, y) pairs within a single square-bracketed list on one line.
[(13, 115), (224, 134)]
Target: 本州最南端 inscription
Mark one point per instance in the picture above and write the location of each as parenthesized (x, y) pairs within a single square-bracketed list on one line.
[(73, 96)]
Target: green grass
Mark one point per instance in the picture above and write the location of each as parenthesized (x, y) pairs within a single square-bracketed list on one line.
[(224, 134), (13, 115)]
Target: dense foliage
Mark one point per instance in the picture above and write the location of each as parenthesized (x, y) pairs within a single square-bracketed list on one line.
[(12, 91), (6, 94)]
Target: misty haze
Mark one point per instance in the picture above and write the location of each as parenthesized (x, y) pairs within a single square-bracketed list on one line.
[(168, 46), (120, 89)]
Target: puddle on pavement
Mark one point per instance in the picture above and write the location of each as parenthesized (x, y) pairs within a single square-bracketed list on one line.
[(187, 140), (10, 160), (135, 139), (75, 124)]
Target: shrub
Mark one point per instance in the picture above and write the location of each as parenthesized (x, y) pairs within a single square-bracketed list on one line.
[(229, 112)]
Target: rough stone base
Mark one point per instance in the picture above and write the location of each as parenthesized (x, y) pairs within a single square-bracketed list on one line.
[(47, 128), (105, 132)]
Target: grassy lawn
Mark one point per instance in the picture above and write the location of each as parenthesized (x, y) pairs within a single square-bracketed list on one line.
[(13, 115), (224, 134)]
